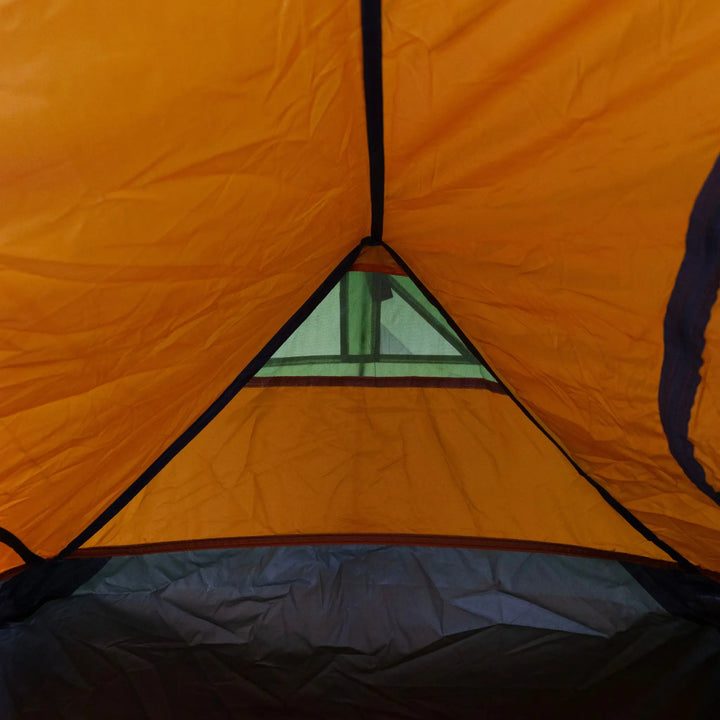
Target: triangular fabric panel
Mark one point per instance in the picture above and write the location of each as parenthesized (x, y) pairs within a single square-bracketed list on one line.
[(395, 456)]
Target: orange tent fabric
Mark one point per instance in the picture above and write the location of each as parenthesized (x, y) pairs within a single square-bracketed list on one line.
[(178, 181)]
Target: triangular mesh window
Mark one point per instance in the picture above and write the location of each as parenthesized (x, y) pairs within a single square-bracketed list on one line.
[(375, 324)]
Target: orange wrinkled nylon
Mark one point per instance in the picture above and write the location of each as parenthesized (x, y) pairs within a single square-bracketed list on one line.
[(178, 179), (372, 460), (542, 163)]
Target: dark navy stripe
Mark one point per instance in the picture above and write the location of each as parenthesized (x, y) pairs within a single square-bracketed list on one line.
[(212, 412), (615, 504), (371, 14), (14, 542), (687, 316)]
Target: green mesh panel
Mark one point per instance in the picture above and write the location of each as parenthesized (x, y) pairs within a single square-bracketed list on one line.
[(372, 324)]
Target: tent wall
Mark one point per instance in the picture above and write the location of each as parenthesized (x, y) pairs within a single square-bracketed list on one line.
[(176, 182), (543, 160)]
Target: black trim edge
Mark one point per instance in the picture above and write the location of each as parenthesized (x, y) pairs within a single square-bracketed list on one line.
[(397, 381), (371, 18), (615, 504), (16, 544), (687, 316), (221, 402)]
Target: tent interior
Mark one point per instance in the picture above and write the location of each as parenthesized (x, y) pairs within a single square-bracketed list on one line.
[(359, 359)]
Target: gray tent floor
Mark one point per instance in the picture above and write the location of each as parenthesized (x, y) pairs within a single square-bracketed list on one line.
[(355, 632)]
